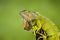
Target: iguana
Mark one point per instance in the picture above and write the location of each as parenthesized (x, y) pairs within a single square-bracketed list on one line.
[(42, 27)]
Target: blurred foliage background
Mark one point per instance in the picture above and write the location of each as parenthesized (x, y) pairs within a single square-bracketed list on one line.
[(10, 22)]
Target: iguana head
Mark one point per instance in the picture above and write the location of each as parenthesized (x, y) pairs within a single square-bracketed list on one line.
[(26, 17)]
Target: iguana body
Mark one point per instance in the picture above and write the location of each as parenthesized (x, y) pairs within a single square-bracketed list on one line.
[(43, 28)]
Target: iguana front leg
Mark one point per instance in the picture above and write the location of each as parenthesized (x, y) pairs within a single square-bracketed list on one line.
[(41, 35)]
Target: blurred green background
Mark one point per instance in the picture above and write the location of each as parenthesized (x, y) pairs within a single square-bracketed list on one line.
[(10, 22)]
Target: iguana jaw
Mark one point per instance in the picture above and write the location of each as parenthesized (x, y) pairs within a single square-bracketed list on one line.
[(26, 17)]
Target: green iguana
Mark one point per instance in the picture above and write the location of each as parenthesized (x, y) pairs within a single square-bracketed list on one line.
[(42, 27)]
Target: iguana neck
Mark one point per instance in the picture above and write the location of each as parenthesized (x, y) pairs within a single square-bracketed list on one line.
[(37, 26)]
